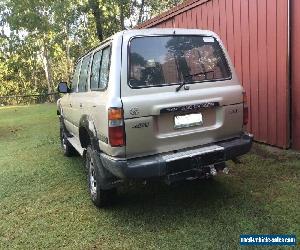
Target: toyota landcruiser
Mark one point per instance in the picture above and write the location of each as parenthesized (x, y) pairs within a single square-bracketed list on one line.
[(153, 103)]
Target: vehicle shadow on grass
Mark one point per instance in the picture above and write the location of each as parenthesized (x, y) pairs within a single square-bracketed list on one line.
[(184, 193), (218, 204), (198, 196)]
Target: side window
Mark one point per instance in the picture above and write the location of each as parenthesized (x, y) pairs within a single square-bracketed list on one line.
[(82, 86), (75, 77), (95, 72), (100, 69), (104, 70)]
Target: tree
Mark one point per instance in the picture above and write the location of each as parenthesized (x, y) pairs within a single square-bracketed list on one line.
[(141, 11), (97, 12)]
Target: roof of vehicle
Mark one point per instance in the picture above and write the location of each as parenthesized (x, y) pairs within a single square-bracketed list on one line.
[(152, 32), (168, 31)]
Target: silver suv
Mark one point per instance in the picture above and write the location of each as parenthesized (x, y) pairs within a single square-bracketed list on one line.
[(153, 103)]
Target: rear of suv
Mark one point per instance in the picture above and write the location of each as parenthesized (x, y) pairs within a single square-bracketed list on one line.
[(155, 103)]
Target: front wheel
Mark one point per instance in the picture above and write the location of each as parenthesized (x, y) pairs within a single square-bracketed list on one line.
[(99, 196), (66, 146)]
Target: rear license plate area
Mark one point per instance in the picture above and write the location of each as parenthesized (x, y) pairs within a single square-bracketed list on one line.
[(188, 120)]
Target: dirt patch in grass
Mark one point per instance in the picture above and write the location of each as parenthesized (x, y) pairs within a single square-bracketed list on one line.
[(6, 132)]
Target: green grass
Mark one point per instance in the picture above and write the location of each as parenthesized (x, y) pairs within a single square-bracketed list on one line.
[(44, 201)]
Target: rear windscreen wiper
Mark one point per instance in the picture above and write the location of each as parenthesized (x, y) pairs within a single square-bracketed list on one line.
[(191, 75), (181, 85)]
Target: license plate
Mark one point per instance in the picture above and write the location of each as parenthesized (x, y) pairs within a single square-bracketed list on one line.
[(185, 121)]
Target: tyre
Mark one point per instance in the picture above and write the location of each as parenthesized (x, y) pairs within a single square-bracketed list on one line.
[(100, 197), (66, 146)]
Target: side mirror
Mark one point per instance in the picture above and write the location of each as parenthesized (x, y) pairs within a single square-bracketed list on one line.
[(63, 88)]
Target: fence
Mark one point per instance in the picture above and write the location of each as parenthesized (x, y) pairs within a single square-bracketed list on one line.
[(28, 99)]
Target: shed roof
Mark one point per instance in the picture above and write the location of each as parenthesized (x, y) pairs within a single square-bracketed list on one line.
[(186, 5)]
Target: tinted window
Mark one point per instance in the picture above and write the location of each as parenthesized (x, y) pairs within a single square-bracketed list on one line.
[(104, 70), (169, 60), (95, 72), (75, 77), (82, 86)]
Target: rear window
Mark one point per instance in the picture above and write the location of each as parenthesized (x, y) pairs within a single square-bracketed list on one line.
[(167, 60)]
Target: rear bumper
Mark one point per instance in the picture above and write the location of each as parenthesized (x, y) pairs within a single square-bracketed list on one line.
[(180, 161)]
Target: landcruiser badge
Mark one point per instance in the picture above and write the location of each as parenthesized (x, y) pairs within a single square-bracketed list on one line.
[(193, 107)]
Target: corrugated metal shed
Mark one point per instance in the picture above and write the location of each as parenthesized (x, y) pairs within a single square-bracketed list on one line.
[(295, 72), (256, 34)]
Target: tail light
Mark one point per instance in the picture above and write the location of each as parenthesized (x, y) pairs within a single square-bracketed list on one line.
[(246, 110), (116, 130)]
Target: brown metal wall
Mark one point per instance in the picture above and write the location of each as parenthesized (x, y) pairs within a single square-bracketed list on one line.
[(255, 33), (295, 65)]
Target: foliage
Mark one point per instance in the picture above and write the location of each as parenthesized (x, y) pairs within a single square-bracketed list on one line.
[(41, 39)]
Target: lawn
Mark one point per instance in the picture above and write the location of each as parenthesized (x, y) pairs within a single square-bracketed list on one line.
[(44, 201)]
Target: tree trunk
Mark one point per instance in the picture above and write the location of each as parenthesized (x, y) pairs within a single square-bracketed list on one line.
[(122, 15), (47, 67), (94, 6), (133, 4), (68, 57), (141, 12)]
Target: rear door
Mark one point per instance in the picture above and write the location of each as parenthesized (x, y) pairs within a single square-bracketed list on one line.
[(159, 115)]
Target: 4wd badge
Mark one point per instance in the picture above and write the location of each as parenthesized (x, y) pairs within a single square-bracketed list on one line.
[(141, 125)]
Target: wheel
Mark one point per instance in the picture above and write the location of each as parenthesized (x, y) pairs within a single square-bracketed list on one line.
[(66, 146), (99, 196)]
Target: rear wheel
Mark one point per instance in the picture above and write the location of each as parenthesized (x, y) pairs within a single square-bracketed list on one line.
[(99, 196)]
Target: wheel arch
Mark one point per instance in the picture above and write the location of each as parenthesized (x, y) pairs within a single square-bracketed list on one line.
[(88, 133)]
